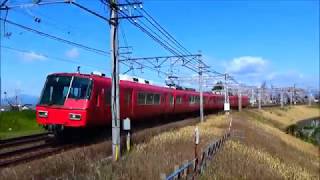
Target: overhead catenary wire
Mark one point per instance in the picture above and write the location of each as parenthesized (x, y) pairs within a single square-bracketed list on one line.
[(173, 46), (157, 40), (97, 51), (152, 35), (47, 21), (161, 29), (47, 56)]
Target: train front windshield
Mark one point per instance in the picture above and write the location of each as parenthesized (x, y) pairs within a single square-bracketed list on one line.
[(58, 88)]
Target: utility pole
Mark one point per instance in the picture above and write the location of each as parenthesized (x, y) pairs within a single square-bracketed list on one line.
[(226, 95), (259, 98), (291, 96), (309, 97), (252, 98), (201, 93), (1, 54), (115, 107), (239, 100), (294, 94), (281, 98)]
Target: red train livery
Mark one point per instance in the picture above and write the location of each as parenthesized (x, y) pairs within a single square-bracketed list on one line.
[(73, 100)]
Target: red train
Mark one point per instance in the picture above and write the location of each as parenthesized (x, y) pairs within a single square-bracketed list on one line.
[(73, 100)]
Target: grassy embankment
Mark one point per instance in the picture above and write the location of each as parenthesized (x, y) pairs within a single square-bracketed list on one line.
[(263, 152), (14, 123)]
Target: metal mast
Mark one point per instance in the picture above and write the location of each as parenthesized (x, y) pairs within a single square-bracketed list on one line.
[(226, 94), (0, 58), (201, 93), (281, 97), (115, 107), (239, 100)]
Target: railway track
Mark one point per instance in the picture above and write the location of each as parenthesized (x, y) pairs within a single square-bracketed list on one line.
[(26, 148), (23, 140)]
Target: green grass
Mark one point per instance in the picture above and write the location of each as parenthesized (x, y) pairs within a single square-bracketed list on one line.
[(14, 123)]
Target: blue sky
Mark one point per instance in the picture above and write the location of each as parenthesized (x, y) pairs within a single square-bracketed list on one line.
[(276, 41)]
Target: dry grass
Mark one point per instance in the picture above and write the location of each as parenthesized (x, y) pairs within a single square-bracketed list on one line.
[(168, 149), (265, 151), (238, 161), (282, 118), (156, 154)]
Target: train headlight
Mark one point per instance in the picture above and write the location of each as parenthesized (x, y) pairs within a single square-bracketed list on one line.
[(74, 116), (43, 114)]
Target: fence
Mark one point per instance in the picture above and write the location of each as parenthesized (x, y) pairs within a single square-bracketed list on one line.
[(194, 167)]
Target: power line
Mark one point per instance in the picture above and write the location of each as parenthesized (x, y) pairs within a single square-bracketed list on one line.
[(162, 30), (97, 51), (47, 56), (47, 20), (90, 11), (159, 41)]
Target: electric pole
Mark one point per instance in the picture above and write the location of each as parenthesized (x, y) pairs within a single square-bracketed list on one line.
[(201, 93), (281, 98), (115, 107), (239, 100), (309, 97), (291, 96), (259, 98), (226, 95), (252, 98), (1, 53)]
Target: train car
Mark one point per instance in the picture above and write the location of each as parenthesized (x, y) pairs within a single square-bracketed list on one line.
[(74, 100)]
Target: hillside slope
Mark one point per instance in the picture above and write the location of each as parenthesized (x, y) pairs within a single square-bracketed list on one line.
[(261, 149)]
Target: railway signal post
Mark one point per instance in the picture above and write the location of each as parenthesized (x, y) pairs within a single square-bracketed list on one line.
[(127, 128)]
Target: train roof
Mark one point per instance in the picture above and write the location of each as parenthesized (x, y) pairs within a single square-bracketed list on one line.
[(102, 77)]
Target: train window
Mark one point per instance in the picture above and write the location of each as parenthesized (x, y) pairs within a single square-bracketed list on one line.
[(141, 98), (191, 100), (157, 99), (55, 90), (128, 97), (179, 100), (107, 94), (197, 99), (171, 100), (79, 88), (149, 98)]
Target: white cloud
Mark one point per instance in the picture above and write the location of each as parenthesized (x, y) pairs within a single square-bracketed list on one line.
[(32, 56), (72, 53), (247, 65)]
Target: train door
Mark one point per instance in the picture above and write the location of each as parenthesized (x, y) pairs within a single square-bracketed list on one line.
[(164, 102), (105, 105), (126, 103), (171, 102), (98, 106)]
